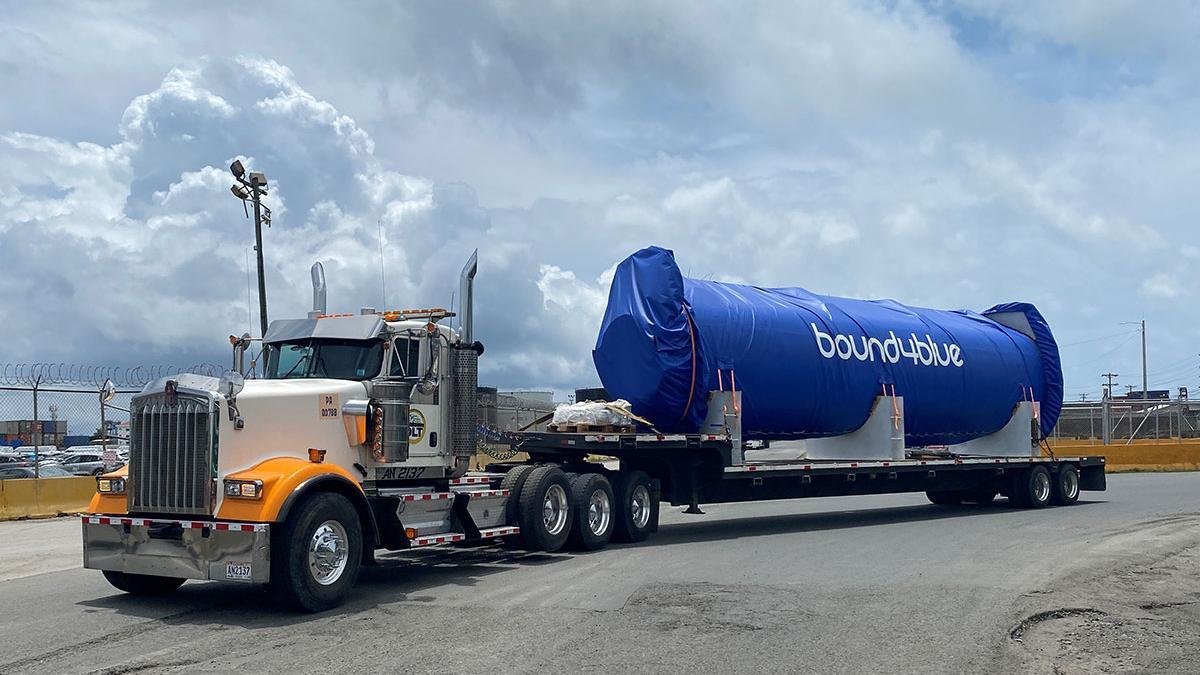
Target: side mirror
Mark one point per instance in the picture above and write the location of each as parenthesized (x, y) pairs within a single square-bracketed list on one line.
[(108, 391), (232, 383)]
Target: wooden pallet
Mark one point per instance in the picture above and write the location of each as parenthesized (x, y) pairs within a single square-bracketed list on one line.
[(591, 428)]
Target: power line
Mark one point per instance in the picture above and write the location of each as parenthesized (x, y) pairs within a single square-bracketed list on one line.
[(1096, 339), (1111, 351)]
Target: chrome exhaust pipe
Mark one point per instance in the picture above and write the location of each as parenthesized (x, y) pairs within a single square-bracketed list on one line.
[(318, 282), (466, 291)]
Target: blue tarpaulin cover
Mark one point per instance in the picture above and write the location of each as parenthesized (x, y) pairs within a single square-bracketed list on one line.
[(811, 365)]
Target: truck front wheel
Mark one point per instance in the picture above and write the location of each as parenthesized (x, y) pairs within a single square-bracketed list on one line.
[(316, 554), (142, 584)]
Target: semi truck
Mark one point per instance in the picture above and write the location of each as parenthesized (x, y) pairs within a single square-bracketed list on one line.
[(356, 442)]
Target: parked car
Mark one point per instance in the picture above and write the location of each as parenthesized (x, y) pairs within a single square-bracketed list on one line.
[(84, 463), (43, 451), (28, 472), (7, 458)]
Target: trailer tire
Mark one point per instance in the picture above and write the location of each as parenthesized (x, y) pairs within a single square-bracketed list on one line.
[(513, 481), (594, 504), (1030, 489), (142, 584), (633, 511), (945, 497), (316, 554), (545, 509), (1066, 485)]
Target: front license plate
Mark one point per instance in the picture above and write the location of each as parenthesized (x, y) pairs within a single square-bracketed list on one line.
[(237, 571)]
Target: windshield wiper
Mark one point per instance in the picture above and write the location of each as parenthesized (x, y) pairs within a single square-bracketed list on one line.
[(293, 369)]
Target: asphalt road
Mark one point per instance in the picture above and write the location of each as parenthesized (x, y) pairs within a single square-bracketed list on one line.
[(856, 584)]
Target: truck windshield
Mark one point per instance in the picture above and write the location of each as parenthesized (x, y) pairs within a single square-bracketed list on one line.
[(324, 357)]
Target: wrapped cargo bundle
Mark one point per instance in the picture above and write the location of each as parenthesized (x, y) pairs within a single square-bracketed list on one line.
[(810, 365)]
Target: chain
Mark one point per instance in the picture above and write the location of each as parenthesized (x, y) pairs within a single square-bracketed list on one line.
[(489, 437)]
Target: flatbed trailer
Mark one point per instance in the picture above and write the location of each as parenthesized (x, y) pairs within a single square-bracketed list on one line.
[(694, 469)]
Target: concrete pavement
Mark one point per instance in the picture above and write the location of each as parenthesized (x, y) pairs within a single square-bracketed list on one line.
[(848, 584)]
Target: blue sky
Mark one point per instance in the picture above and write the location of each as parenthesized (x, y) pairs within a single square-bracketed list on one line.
[(947, 154)]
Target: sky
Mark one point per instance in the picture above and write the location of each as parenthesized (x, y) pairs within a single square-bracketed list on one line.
[(953, 154)]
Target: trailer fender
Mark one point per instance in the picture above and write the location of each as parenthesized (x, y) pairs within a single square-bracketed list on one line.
[(286, 480)]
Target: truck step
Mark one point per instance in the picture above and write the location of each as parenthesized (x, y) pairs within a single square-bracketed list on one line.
[(453, 537), (476, 479), (427, 496)]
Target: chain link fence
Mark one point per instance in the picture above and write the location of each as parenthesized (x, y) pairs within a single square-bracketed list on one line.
[(1120, 421), (46, 409)]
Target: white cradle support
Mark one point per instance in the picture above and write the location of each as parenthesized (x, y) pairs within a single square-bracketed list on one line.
[(881, 437)]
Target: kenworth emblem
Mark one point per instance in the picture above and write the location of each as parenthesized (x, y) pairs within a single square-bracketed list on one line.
[(171, 390)]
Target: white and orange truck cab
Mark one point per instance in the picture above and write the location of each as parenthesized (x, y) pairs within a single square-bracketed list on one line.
[(358, 436)]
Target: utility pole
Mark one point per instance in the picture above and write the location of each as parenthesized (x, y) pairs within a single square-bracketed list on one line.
[(1145, 382), (1108, 387), (1142, 327), (1106, 410), (252, 188)]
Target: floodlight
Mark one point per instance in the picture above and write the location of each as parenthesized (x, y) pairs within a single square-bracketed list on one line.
[(258, 179), (237, 168), (240, 192)]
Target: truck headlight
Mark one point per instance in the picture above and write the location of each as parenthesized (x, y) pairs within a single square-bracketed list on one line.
[(243, 489), (110, 486)]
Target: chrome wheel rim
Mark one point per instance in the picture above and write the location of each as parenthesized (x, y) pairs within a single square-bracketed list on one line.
[(328, 551), (639, 506), (554, 509), (1070, 484), (599, 513), (1041, 486)]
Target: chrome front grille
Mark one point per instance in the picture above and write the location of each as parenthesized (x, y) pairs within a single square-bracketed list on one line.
[(171, 455)]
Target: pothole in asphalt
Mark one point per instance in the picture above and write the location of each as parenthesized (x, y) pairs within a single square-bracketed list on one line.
[(1018, 631)]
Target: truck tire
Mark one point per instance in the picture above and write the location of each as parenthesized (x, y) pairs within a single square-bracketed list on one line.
[(1030, 489), (944, 497), (545, 509), (513, 481), (142, 584), (1066, 485), (593, 501), (634, 514), (316, 553)]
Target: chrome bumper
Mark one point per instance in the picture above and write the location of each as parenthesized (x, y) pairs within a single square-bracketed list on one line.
[(178, 548)]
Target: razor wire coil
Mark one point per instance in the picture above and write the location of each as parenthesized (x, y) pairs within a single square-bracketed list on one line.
[(38, 375)]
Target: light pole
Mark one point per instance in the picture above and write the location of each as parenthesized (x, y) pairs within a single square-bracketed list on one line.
[(1142, 327), (252, 188)]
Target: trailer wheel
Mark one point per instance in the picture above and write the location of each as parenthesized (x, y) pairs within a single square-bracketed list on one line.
[(317, 554), (592, 499), (944, 497), (1066, 485), (634, 508), (1030, 489), (142, 584), (545, 509)]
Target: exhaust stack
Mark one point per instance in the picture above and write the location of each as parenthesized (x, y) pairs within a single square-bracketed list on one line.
[(318, 282), (466, 292)]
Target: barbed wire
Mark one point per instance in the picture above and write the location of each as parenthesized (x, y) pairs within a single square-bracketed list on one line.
[(76, 375)]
